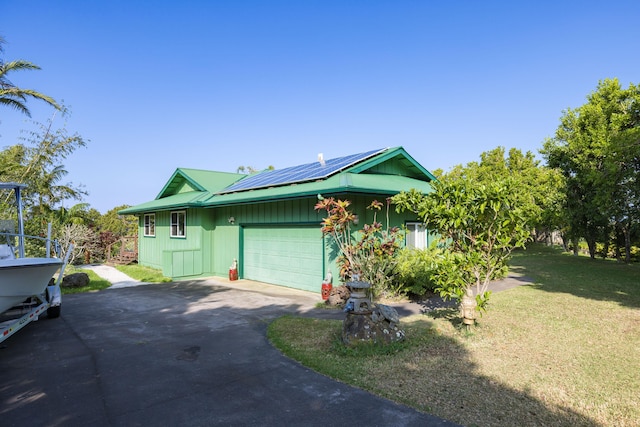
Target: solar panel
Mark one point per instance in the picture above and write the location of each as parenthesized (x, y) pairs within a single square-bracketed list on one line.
[(297, 174)]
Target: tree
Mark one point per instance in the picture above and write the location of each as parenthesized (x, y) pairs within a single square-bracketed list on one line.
[(16, 97), (596, 147), (77, 214), (119, 225), (479, 225), (39, 164), (83, 238), (622, 167), (251, 170)]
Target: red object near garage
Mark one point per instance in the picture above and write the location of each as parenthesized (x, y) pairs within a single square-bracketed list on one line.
[(233, 271), (327, 286)]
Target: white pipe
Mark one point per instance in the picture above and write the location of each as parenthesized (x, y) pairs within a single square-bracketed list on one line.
[(48, 242)]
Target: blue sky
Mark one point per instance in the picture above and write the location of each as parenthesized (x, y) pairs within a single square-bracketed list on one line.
[(154, 86)]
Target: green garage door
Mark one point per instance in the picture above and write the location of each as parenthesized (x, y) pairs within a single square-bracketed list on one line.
[(286, 256)]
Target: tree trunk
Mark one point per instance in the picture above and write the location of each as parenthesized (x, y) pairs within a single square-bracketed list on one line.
[(591, 243), (468, 306), (605, 250), (627, 245)]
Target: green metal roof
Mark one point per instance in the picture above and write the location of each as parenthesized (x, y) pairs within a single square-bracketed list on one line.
[(341, 183), (411, 168), (186, 188), (177, 201), (200, 188), (184, 179)]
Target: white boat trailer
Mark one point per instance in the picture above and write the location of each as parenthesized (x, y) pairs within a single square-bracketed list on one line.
[(49, 298), (50, 301)]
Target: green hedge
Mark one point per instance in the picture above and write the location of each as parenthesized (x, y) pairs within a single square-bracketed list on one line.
[(413, 271)]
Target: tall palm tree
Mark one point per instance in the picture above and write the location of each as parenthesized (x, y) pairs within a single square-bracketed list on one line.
[(13, 96)]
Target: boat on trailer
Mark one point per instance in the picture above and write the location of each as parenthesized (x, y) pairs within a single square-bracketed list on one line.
[(26, 288)]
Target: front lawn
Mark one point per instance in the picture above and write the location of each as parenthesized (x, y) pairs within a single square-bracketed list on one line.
[(564, 350)]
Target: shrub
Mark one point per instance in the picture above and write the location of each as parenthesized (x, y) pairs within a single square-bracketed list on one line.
[(368, 255), (413, 271)]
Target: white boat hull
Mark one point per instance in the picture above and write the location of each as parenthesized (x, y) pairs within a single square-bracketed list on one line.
[(23, 277)]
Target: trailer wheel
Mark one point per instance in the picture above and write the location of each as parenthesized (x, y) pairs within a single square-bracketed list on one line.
[(53, 312)]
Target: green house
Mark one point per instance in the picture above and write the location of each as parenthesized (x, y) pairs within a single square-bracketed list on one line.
[(201, 221)]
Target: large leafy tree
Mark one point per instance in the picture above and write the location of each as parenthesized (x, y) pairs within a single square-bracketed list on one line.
[(624, 168), (482, 212), (39, 163), (118, 225), (597, 147), (540, 188), (480, 224), (13, 96)]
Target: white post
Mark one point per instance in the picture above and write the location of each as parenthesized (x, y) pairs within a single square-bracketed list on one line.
[(48, 242)]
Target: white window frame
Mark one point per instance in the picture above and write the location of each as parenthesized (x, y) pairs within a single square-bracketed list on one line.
[(178, 224), (416, 235), (149, 225)]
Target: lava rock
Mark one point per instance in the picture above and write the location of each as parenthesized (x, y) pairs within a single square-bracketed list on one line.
[(379, 327), (338, 296), (75, 280)]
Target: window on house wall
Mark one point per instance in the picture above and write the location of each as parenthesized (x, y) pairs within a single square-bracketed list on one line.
[(150, 224), (178, 224), (416, 235)]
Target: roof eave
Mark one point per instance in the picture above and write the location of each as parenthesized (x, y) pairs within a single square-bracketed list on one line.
[(195, 202)]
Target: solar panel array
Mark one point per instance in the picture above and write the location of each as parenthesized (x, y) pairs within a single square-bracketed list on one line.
[(297, 174)]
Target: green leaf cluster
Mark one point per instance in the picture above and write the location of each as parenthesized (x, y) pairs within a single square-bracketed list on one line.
[(480, 222), (414, 270), (596, 147), (13, 96)]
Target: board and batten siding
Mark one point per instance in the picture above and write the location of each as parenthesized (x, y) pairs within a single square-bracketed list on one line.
[(294, 218), (226, 243), (175, 256), (212, 241)]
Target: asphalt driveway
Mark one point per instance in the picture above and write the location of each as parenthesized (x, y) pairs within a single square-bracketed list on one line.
[(189, 353)]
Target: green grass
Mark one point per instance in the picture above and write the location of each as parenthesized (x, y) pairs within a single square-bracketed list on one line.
[(144, 274), (563, 350), (96, 283)]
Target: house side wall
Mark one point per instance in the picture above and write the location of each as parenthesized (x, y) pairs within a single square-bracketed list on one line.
[(227, 238), (212, 242), (175, 256)]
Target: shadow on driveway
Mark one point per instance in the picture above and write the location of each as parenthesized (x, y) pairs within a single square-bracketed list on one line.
[(188, 353)]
